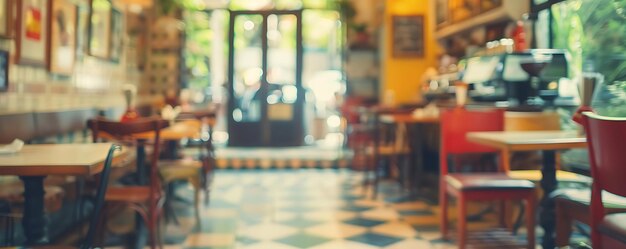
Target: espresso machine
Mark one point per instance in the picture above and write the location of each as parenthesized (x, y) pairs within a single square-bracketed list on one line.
[(523, 80)]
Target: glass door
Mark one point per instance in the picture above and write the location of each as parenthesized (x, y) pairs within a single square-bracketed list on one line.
[(265, 70)]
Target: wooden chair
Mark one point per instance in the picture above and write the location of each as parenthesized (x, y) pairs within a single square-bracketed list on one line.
[(605, 137), (493, 186), (371, 142), (204, 143), (147, 200), (535, 121), (393, 147)]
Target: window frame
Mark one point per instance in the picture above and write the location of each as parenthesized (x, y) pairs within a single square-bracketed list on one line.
[(535, 9)]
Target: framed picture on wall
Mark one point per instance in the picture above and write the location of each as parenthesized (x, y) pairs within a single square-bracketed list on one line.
[(408, 36), (31, 32), (100, 29), (6, 18), (82, 31), (442, 9), (62, 43), (117, 34), (4, 70)]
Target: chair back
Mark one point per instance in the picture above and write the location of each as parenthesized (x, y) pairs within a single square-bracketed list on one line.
[(606, 137), (532, 121), (124, 131), (457, 122), (99, 202)]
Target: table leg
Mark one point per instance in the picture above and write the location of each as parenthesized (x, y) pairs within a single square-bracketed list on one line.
[(35, 222), (171, 150), (142, 177), (141, 163), (547, 215)]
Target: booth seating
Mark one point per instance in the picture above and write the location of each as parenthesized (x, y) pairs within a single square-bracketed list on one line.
[(62, 203)]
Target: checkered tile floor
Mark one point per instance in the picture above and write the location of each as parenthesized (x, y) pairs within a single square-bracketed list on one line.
[(320, 209), (309, 157)]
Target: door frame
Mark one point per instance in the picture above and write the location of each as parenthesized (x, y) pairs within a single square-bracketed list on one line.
[(266, 125)]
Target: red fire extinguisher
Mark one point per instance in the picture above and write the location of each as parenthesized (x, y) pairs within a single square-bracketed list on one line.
[(519, 37)]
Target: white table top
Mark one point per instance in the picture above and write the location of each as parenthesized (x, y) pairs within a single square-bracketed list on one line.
[(56, 159), (529, 140)]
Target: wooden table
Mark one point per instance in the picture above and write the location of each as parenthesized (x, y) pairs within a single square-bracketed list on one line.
[(415, 146), (171, 135), (34, 162), (177, 131), (409, 118), (546, 141)]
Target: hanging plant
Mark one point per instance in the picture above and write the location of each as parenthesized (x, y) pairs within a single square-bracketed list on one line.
[(168, 6), (347, 9)]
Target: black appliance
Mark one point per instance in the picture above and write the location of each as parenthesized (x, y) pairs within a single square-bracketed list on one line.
[(528, 78)]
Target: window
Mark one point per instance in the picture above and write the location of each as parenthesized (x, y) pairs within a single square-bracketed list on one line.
[(593, 31)]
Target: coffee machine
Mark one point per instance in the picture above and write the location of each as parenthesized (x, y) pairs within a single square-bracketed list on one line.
[(522, 80)]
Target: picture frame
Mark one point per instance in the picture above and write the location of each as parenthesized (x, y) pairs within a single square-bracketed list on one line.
[(4, 70), (31, 32), (62, 41), (6, 15), (408, 36), (82, 33), (99, 38), (442, 9), (117, 35)]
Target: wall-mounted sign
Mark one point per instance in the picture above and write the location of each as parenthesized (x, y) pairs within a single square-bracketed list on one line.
[(408, 36)]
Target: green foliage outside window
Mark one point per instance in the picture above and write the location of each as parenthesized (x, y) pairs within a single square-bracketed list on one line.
[(594, 32), (198, 42)]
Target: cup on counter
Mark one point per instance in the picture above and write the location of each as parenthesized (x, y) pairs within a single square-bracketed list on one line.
[(460, 91)]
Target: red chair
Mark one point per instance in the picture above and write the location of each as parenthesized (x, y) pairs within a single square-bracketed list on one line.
[(606, 137), (491, 186)]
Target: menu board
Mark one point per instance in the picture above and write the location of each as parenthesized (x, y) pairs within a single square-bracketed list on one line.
[(408, 36)]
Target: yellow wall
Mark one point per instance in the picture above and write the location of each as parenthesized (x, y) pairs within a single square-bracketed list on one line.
[(402, 75)]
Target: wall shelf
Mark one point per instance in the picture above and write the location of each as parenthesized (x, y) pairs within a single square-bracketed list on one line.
[(508, 11)]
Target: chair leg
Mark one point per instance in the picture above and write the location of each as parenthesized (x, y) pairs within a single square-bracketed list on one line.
[(159, 232), (170, 213), (153, 230), (196, 184), (502, 214), (462, 221), (443, 206), (376, 181), (102, 225), (11, 232), (563, 225), (519, 219), (530, 220)]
